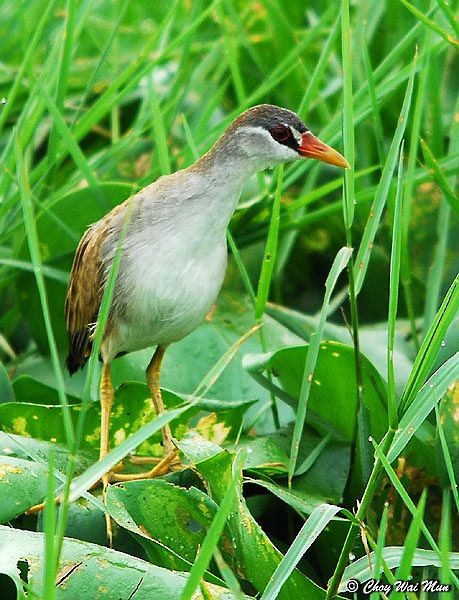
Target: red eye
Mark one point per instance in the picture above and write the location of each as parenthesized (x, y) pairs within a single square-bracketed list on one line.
[(281, 133)]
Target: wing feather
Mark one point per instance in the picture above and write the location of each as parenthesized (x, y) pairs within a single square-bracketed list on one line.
[(84, 294)]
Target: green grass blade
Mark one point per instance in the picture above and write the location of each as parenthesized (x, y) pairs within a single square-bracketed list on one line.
[(26, 62), (391, 555), (102, 57), (447, 458), (445, 536), (363, 255), (269, 258), (241, 267), (348, 116), (35, 256), (439, 177), (126, 81), (317, 75), (49, 523), (375, 111), (64, 71), (48, 272), (412, 539), (315, 524), (322, 191), (214, 532), (423, 403), (431, 344), (158, 131), (406, 269), (394, 280), (69, 140), (228, 576), (409, 503), (434, 280), (449, 14), (430, 24), (340, 262), (381, 542)]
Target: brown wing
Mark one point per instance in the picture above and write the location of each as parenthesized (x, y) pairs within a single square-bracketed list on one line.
[(84, 295)]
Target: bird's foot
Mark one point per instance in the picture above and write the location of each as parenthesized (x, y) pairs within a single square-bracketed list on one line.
[(170, 462)]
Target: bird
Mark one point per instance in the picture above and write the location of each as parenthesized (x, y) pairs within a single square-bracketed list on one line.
[(174, 253)]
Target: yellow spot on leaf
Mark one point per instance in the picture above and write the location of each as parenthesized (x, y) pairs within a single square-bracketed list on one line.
[(118, 410), (211, 430), (120, 436), (6, 469), (19, 426), (93, 437)]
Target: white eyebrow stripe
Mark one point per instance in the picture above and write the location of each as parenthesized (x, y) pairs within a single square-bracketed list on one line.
[(296, 134)]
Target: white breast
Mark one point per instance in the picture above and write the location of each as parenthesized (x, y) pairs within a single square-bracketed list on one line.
[(171, 271), (171, 293)]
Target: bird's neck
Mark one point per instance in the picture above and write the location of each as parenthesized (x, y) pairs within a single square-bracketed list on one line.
[(225, 167), (223, 174)]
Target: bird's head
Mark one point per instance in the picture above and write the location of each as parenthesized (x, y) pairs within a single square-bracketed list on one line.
[(267, 135)]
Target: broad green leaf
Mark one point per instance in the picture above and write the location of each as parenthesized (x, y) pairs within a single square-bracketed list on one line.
[(87, 479), (17, 446), (133, 408), (332, 402), (373, 340), (170, 521), (90, 572), (215, 531), (6, 390), (263, 454), (243, 538), (403, 572), (22, 484), (28, 390)]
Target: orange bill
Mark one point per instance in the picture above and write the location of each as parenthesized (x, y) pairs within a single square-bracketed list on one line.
[(312, 147)]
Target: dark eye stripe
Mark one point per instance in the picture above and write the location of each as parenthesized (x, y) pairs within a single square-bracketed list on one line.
[(283, 134)]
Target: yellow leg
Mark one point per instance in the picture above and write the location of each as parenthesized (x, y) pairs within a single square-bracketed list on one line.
[(168, 461), (153, 373), (107, 395)]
